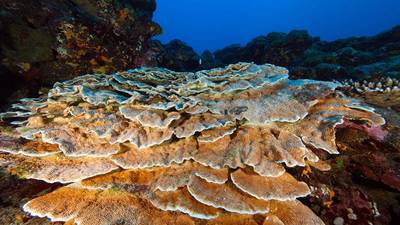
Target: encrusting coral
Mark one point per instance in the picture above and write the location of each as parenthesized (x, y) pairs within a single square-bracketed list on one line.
[(152, 146)]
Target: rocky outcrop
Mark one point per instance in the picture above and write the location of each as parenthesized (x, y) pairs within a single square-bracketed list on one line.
[(46, 41), (309, 57), (176, 55)]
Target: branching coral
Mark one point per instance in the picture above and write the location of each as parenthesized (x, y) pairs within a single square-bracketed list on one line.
[(152, 146)]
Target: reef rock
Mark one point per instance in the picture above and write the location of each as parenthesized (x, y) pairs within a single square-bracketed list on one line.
[(45, 41), (153, 146), (309, 57), (177, 55)]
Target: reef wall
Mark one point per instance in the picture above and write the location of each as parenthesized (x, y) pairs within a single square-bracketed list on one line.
[(45, 41), (305, 56)]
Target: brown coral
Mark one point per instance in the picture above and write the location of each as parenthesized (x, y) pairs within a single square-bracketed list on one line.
[(152, 146)]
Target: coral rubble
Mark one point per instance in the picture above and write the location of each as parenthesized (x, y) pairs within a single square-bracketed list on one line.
[(152, 146)]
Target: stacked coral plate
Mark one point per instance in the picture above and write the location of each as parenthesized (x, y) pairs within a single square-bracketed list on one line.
[(152, 146)]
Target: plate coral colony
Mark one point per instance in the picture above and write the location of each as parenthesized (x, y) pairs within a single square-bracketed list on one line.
[(153, 146)]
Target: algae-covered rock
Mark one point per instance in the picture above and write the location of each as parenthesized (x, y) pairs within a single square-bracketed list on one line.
[(47, 41)]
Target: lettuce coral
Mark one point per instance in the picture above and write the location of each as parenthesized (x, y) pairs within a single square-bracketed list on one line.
[(153, 146)]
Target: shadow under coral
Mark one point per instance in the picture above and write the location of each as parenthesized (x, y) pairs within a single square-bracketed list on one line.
[(363, 186), (14, 193)]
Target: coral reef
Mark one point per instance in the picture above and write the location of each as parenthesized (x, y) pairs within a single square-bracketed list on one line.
[(384, 92), (363, 185), (309, 57), (152, 146), (45, 41)]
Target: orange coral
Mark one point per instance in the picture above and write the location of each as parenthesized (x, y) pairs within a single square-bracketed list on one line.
[(152, 146)]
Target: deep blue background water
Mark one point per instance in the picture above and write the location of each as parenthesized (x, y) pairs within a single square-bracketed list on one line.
[(213, 24)]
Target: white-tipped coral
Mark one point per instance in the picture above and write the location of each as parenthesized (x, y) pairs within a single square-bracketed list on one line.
[(284, 187), (384, 92), (152, 146)]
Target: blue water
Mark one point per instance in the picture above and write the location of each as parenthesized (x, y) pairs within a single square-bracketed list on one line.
[(213, 24)]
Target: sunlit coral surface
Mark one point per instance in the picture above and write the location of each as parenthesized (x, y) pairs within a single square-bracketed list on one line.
[(152, 146)]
